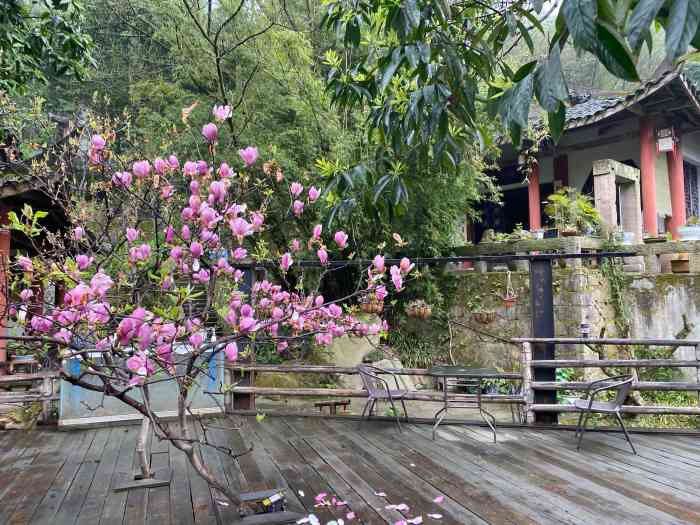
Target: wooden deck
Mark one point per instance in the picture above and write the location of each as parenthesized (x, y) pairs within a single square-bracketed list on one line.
[(52, 477)]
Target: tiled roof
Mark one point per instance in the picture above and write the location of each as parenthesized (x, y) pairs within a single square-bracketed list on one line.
[(590, 107)]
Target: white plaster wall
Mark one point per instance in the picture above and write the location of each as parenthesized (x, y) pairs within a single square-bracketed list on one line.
[(690, 146)]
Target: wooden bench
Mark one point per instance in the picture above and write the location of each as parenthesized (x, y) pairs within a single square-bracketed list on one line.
[(45, 394), (333, 405)]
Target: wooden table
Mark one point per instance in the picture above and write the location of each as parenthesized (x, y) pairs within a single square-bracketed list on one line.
[(462, 377)]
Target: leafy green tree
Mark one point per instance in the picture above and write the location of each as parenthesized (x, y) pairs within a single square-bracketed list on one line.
[(425, 70), (39, 39)]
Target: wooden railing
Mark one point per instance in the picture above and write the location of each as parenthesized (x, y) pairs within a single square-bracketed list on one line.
[(45, 393), (530, 386), (242, 396)]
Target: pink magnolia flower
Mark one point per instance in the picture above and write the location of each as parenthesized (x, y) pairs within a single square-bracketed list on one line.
[(295, 245), (240, 228), (141, 168), (190, 169), (298, 208), (378, 263), (257, 220), (41, 324), (341, 239), (202, 276), (405, 265), (25, 263), (139, 253), (100, 284), (396, 277), (222, 113), (185, 232), (173, 162), (295, 189), (160, 166), (286, 262), (187, 213), (169, 234), (210, 132), (381, 293), (249, 155), (196, 250), (97, 142), (196, 339), (322, 256), (122, 179), (231, 351), (78, 233), (132, 234), (83, 261), (63, 335), (240, 253), (194, 186), (247, 324), (202, 167), (25, 295), (317, 231), (167, 191), (224, 171), (141, 366), (77, 296), (314, 194), (218, 190)]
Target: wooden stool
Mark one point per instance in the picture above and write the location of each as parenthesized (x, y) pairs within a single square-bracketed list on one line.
[(332, 405)]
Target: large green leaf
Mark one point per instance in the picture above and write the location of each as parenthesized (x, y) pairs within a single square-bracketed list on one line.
[(557, 121), (391, 68), (514, 106), (550, 86), (580, 17), (613, 53), (640, 20), (682, 25)]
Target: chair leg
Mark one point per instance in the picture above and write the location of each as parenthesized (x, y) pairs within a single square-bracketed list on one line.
[(490, 422), (405, 412), (578, 425), (582, 429), (619, 419), (438, 420), (369, 402), (396, 414)]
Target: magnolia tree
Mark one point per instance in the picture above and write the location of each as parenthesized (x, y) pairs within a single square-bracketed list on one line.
[(156, 252)]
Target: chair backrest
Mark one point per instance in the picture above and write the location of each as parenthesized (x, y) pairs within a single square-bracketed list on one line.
[(370, 380), (623, 390)]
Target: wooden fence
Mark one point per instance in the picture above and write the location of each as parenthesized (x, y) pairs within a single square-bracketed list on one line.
[(530, 386), (241, 396)]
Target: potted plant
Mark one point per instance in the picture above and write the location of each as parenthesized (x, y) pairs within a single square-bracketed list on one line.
[(691, 230), (484, 316), (419, 309), (572, 212)]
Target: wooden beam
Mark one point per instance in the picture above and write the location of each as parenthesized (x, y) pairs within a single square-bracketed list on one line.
[(626, 409), (624, 363), (607, 341), (671, 386)]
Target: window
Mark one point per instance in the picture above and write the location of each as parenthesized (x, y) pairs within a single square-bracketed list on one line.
[(690, 176)]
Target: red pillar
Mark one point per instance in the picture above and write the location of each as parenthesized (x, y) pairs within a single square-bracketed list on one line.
[(676, 182), (647, 160), (533, 198), (4, 267)]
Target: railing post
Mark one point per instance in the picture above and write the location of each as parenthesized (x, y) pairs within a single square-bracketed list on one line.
[(542, 307), (528, 394), (697, 369)]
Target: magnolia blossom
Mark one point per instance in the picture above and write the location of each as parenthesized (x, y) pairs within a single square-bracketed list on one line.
[(202, 276), (140, 365), (141, 169), (189, 169), (322, 256), (222, 113), (298, 208), (160, 166), (231, 351), (173, 162), (78, 233), (139, 253), (167, 191), (396, 278), (97, 142), (249, 155), (295, 189), (196, 250), (378, 263), (25, 263), (132, 234), (314, 194), (122, 179), (25, 295), (341, 239), (240, 228), (210, 132), (83, 261), (317, 232), (295, 245), (100, 284), (405, 265), (286, 262), (380, 292), (240, 253)]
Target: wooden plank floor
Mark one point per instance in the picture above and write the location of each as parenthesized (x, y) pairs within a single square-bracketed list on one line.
[(528, 477)]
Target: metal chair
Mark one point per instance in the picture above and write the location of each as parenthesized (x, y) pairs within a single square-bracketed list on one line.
[(378, 389), (623, 385)]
